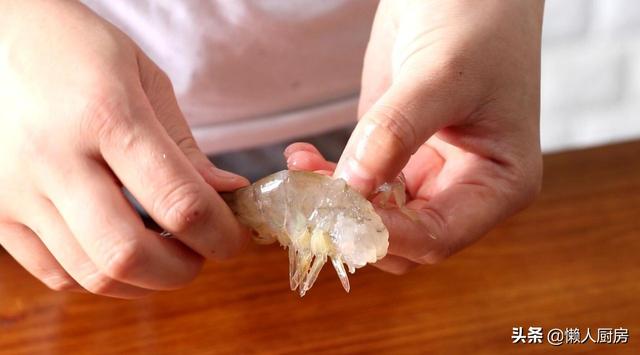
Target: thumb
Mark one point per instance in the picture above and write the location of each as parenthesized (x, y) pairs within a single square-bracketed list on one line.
[(395, 126)]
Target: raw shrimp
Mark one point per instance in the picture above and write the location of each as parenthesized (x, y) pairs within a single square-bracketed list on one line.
[(315, 217)]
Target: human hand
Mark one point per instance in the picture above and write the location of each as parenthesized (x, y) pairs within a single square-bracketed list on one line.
[(84, 112), (450, 97)]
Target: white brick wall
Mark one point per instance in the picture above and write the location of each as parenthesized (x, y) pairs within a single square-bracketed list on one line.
[(590, 73)]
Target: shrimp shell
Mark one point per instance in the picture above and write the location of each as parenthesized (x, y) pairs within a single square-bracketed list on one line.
[(316, 218)]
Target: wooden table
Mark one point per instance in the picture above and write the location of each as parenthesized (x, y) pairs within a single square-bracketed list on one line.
[(571, 260)]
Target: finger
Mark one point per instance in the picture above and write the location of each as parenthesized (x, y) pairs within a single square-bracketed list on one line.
[(309, 161), (222, 180), (392, 130), (27, 249), (300, 146), (376, 80), (306, 157), (112, 234), (408, 236), (159, 175), (55, 234), (451, 220), (159, 91), (377, 69), (423, 97), (396, 265)]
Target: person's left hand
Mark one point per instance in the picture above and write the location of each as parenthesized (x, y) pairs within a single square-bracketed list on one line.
[(450, 97)]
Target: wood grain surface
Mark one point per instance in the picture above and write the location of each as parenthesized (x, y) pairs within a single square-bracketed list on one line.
[(571, 260)]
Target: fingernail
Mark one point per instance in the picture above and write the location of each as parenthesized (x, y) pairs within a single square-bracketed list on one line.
[(223, 174), (287, 151), (357, 177), (291, 148)]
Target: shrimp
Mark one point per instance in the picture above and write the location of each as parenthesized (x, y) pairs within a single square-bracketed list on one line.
[(316, 218)]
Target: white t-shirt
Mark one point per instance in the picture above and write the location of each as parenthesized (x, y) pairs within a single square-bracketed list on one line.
[(248, 73)]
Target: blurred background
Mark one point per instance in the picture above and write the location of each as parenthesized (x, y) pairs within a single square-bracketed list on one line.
[(590, 73), (590, 92)]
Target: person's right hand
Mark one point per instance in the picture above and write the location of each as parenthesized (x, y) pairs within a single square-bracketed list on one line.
[(83, 112)]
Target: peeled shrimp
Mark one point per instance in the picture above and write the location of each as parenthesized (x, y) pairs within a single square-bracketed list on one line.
[(316, 218)]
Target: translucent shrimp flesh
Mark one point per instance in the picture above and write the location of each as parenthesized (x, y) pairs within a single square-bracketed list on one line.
[(316, 218)]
